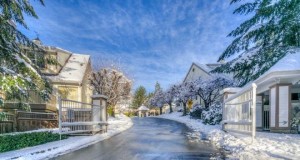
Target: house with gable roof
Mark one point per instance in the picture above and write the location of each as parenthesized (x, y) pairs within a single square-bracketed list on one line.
[(69, 77)]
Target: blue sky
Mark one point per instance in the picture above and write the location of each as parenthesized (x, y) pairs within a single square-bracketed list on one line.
[(153, 40)]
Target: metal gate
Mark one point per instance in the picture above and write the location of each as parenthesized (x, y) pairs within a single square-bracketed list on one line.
[(78, 118)]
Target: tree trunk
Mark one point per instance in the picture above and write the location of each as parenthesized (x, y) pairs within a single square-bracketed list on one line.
[(160, 110), (184, 109), (206, 105), (171, 109)]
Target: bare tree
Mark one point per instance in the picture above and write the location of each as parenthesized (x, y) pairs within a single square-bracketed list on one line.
[(111, 83), (169, 96), (158, 100), (184, 92), (209, 89)]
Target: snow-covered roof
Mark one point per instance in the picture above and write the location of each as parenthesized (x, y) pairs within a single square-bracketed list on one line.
[(290, 62), (207, 67), (74, 69), (143, 108)]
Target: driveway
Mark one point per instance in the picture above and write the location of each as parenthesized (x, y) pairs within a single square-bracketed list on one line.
[(149, 139)]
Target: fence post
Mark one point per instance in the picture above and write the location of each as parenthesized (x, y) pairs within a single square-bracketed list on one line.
[(59, 116), (101, 100), (15, 123), (253, 111)]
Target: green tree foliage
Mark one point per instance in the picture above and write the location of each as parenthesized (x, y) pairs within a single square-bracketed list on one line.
[(272, 32), (140, 96), (20, 58)]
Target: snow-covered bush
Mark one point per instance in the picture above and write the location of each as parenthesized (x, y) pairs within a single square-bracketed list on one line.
[(196, 111), (213, 115)]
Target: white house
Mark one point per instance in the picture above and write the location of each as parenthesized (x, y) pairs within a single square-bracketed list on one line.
[(199, 70), (277, 95)]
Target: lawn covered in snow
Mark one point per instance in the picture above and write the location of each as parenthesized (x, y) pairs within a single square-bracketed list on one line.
[(53, 149), (266, 145)]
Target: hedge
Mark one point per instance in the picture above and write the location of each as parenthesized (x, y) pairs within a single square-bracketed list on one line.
[(22, 140)]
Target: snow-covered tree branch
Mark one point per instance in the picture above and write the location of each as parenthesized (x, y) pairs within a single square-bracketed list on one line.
[(111, 83), (20, 59)]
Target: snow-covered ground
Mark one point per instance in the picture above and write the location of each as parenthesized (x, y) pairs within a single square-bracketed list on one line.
[(266, 145), (52, 149)]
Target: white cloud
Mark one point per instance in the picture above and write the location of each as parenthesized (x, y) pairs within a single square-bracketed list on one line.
[(156, 41)]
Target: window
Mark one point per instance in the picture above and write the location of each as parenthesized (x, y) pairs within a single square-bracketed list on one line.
[(295, 96), (68, 92), (193, 69), (266, 100)]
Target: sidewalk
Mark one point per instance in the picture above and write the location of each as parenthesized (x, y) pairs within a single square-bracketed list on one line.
[(53, 149)]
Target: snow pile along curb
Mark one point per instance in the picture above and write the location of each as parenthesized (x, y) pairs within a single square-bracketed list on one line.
[(53, 149), (266, 145)]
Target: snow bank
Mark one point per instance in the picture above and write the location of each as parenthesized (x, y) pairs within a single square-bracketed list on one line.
[(53, 149), (266, 145)]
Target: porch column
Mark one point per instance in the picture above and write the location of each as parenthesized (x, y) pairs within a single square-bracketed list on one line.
[(280, 108), (101, 101)]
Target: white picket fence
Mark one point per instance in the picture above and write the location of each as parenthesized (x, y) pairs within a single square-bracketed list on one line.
[(79, 118), (239, 112)]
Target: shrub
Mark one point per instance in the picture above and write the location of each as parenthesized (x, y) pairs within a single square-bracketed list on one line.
[(18, 141), (110, 111), (213, 115), (196, 111), (129, 114)]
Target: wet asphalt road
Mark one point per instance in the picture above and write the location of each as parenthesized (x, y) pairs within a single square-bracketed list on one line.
[(149, 139)]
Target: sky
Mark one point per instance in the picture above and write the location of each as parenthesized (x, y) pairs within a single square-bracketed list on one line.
[(153, 40)]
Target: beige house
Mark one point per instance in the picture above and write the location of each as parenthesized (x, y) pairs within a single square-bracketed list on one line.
[(69, 79)]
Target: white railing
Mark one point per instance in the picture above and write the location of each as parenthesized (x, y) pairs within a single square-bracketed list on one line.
[(77, 117), (239, 112)]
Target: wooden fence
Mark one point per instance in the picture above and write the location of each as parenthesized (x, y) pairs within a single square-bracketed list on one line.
[(26, 121), (6, 122)]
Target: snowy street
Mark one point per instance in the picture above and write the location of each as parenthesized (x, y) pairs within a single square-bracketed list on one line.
[(148, 139), (266, 145), (52, 149)]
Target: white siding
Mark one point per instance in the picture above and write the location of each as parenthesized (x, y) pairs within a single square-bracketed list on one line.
[(258, 111), (283, 106), (195, 73), (272, 106)]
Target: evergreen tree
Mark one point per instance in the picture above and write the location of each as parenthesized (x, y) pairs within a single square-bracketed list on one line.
[(139, 97), (20, 58), (271, 33), (157, 87)]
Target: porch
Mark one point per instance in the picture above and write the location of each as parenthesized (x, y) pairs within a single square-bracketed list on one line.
[(277, 101)]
